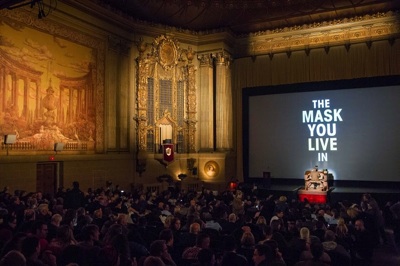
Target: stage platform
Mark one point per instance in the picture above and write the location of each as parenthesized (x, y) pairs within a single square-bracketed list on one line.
[(338, 190)]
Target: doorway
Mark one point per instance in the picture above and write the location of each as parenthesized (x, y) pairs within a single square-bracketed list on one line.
[(49, 177)]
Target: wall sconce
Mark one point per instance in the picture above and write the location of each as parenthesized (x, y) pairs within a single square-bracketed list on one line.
[(9, 139), (59, 146)]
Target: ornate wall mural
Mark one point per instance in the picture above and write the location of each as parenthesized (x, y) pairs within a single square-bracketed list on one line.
[(49, 85)]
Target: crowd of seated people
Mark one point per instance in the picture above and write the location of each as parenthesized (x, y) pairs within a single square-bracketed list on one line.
[(174, 227)]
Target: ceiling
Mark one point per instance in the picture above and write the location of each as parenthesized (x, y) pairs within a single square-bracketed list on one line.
[(244, 16)]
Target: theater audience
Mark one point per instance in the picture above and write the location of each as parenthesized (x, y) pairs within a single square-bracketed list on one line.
[(107, 227)]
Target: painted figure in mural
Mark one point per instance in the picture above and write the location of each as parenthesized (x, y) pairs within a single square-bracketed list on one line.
[(50, 103)]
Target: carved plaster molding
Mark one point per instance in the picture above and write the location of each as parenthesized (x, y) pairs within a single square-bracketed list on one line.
[(366, 29), (222, 58), (163, 59)]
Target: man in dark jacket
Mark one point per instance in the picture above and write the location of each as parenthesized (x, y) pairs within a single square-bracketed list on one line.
[(74, 198)]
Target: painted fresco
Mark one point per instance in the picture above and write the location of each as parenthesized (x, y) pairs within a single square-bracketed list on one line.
[(47, 89)]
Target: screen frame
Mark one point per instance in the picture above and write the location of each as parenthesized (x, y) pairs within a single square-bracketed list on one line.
[(346, 84)]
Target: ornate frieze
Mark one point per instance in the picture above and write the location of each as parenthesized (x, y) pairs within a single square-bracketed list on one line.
[(367, 29)]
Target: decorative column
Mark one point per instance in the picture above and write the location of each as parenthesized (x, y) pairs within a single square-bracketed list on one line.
[(206, 103), (191, 111), (14, 93), (38, 112), (223, 103), (2, 89), (25, 107), (141, 116)]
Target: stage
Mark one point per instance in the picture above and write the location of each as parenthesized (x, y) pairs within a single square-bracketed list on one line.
[(338, 190)]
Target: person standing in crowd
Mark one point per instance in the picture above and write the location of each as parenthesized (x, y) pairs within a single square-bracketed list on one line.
[(74, 198), (363, 245), (371, 207)]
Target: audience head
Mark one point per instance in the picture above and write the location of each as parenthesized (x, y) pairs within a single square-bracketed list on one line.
[(30, 246), (56, 219), (273, 245), (122, 219), (341, 228), (203, 240), (267, 230), (153, 261), (65, 234), (359, 225), (167, 235), (275, 225), (13, 258), (175, 224), (158, 248), (329, 235), (353, 212), (90, 232), (305, 233), (232, 218), (262, 252), (40, 229), (75, 184), (29, 215), (261, 220), (247, 239), (194, 228)]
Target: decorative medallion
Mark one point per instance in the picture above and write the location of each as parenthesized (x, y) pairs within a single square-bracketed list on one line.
[(167, 52), (211, 168)]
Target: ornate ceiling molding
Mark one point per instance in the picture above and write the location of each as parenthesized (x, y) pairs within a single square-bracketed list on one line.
[(366, 29)]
